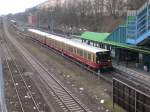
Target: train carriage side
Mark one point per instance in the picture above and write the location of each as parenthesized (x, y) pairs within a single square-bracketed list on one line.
[(95, 60), (83, 56), (64, 45), (54, 42), (38, 35), (93, 57)]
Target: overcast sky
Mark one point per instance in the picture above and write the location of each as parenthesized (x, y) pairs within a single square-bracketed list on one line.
[(14, 6)]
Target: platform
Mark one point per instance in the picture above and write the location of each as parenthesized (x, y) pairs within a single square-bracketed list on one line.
[(131, 69)]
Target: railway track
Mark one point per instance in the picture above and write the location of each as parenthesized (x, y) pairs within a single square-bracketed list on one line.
[(134, 77), (138, 79), (141, 77), (63, 96), (102, 76), (125, 73), (24, 94), (134, 80)]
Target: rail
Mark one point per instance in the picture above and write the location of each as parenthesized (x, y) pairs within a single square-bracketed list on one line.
[(73, 103)]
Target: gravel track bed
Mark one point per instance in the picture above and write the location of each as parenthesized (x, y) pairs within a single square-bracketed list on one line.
[(28, 74), (85, 85)]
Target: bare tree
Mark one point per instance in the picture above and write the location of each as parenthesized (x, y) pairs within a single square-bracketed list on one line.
[(89, 14)]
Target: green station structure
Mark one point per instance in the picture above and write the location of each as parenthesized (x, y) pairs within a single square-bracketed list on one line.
[(129, 42)]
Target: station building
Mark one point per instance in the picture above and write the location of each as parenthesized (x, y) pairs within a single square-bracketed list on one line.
[(129, 43)]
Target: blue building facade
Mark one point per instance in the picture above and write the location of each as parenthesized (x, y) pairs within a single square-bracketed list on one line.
[(128, 42), (135, 29)]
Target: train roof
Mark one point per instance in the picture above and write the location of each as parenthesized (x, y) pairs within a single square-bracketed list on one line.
[(69, 42), (13, 21)]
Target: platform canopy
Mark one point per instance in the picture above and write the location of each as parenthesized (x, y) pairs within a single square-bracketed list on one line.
[(93, 36), (102, 38)]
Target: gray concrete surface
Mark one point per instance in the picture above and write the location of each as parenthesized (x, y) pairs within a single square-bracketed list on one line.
[(3, 107)]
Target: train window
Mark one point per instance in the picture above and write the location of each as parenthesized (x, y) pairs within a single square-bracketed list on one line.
[(67, 47), (70, 49), (75, 49), (52, 43), (81, 53), (55, 43), (60, 45), (89, 56), (93, 58), (78, 51), (85, 54), (63, 46), (102, 56)]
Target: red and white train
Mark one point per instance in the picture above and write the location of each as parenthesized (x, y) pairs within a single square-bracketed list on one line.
[(95, 58)]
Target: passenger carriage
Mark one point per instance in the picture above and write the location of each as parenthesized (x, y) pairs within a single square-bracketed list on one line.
[(95, 58)]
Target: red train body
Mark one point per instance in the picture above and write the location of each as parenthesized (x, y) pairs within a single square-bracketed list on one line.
[(95, 58)]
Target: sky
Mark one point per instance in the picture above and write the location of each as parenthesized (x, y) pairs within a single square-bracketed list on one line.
[(15, 6)]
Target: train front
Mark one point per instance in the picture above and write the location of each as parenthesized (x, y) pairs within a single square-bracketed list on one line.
[(103, 59)]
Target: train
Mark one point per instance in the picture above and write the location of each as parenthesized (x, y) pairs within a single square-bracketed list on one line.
[(13, 22), (92, 57)]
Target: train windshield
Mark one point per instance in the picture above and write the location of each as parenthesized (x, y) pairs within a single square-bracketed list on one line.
[(103, 56)]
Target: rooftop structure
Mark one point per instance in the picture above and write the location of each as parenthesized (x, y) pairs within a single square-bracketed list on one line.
[(94, 36), (136, 28)]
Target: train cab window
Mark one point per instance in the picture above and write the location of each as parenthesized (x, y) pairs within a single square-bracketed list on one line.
[(103, 56)]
